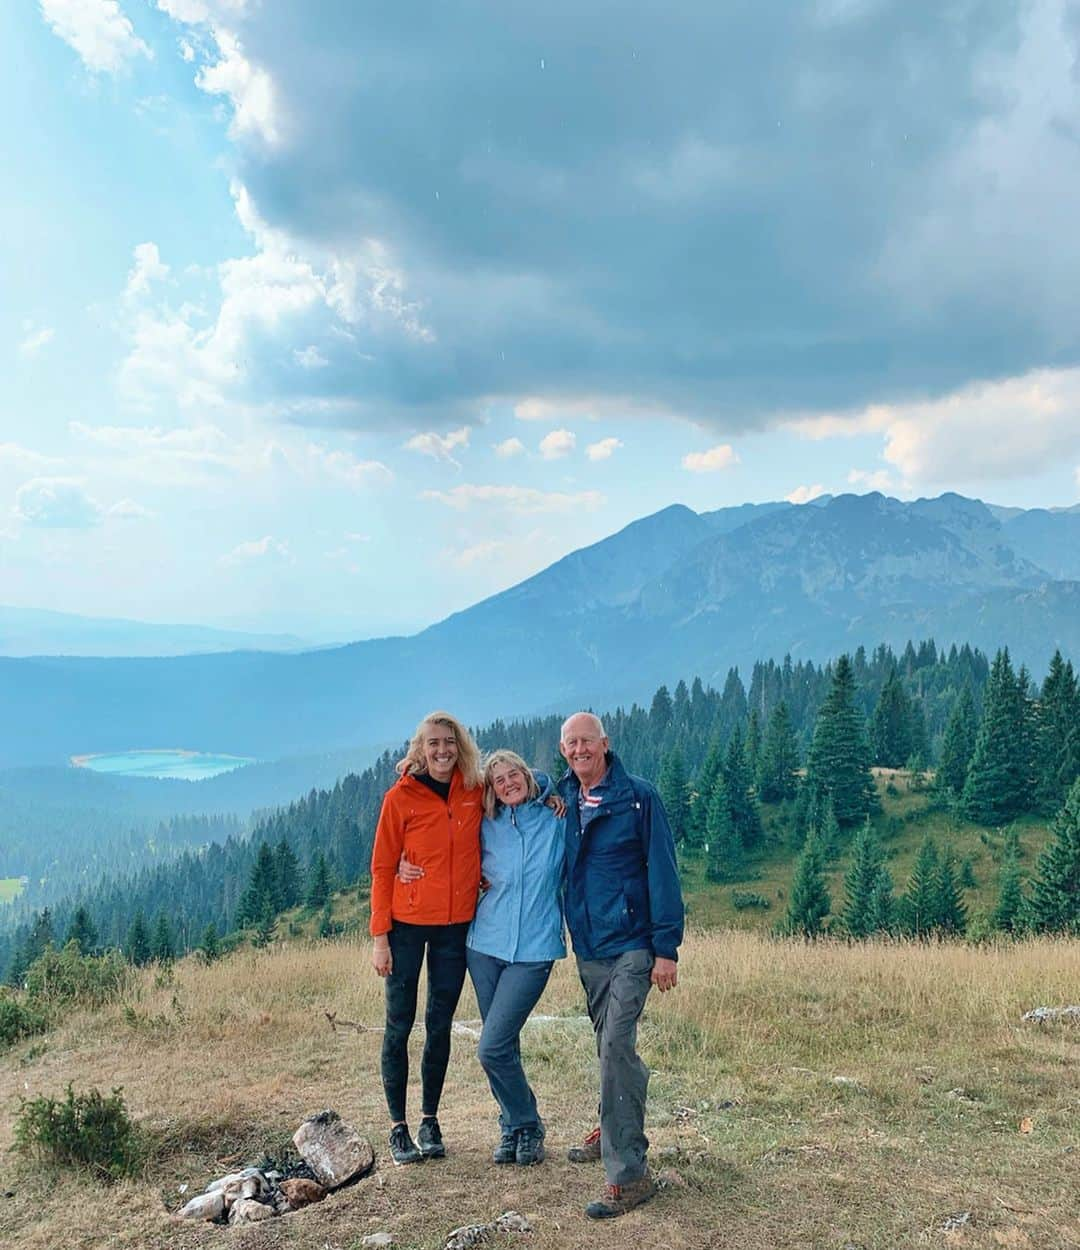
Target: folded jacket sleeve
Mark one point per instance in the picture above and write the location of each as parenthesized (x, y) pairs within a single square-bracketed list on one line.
[(665, 889), (385, 854)]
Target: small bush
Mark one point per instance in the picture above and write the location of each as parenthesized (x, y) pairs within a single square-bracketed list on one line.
[(19, 1019), (86, 1131), (69, 977), (891, 788), (742, 899)]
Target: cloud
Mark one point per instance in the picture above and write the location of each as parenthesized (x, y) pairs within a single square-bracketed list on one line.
[(716, 458), (876, 479), (310, 358), (522, 499), (23, 458), (509, 447), (249, 88), (466, 557), (557, 444), (604, 449), (147, 269), (98, 30), (35, 340), (267, 548), (57, 503), (439, 446), (803, 494)]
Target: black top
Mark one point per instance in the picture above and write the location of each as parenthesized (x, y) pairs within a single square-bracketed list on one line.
[(441, 788)]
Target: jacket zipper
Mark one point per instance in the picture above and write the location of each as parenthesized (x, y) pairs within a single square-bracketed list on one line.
[(450, 892)]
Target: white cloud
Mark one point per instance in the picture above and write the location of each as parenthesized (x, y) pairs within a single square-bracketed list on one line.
[(557, 444), (877, 479), (249, 87), (344, 467), (147, 269), (468, 556), (604, 449), (439, 446), (98, 30), (522, 499), (509, 447), (22, 458), (57, 503), (716, 458), (803, 494), (266, 548), (585, 408), (35, 340), (310, 358), (129, 510)]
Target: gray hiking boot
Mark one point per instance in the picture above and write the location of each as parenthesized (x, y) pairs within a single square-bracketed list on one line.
[(506, 1150), (618, 1199), (530, 1147)]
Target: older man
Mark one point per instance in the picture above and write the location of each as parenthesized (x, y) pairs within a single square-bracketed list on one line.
[(624, 910)]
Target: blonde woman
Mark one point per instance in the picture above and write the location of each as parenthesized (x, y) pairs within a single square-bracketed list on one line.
[(431, 817)]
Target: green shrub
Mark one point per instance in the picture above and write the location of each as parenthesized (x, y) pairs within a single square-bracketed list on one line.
[(70, 977), (742, 899), (19, 1019), (86, 1131)]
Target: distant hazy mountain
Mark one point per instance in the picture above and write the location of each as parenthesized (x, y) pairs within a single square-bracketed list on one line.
[(31, 631), (674, 594)]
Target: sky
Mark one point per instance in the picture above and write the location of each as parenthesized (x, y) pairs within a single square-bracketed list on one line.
[(336, 318)]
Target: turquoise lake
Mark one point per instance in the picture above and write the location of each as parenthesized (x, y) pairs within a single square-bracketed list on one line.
[(173, 765)]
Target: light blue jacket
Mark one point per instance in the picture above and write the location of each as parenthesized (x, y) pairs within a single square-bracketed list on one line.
[(520, 917)]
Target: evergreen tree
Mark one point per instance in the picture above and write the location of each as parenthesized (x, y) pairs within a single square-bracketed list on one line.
[(675, 793), (703, 791), (999, 783), (778, 760), (882, 905), (1057, 744), (82, 932), (827, 828), (287, 876), (1055, 893), (162, 947), (262, 890), (957, 747), (923, 896), (137, 942), (745, 817), (265, 925), (809, 902), (890, 726), (919, 759), (839, 760), (951, 910), (326, 920), (967, 874), (1009, 911), (724, 843), (319, 884), (860, 881), (209, 944), (753, 742), (660, 714)]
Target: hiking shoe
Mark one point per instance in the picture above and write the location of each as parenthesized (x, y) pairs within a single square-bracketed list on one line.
[(530, 1147), (429, 1138), (588, 1151), (618, 1199), (402, 1147), (506, 1150)]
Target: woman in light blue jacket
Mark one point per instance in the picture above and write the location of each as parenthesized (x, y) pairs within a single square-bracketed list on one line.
[(515, 938)]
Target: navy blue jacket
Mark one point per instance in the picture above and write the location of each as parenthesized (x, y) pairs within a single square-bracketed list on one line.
[(622, 881)]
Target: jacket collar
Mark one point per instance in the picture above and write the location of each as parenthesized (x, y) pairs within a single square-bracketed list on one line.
[(616, 780)]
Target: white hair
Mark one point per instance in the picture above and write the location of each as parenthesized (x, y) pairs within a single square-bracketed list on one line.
[(600, 731)]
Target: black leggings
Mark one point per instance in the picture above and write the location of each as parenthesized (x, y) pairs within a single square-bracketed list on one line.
[(446, 974)]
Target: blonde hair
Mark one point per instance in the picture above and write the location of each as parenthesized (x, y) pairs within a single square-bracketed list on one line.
[(512, 760), (468, 761)]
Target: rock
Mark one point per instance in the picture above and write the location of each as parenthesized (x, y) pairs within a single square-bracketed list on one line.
[(671, 1178), (377, 1239), (302, 1193), (253, 1186), (470, 1235), (235, 1179), (203, 1207), (512, 1222), (334, 1150), (248, 1211), (962, 1219), (1044, 1015), (847, 1082)]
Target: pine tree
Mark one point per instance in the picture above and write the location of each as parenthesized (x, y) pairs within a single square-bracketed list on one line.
[(778, 761), (1055, 893), (745, 817), (999, 783), (1057, 741), (828, 828), (890, 726), (703, 789), (967, 874), (951, 909), (161, 946), (809, 902), (660, 714), (82, 932), (882, 905), (1009, 911), (753, 742), (326, 920), (319, 884), (922, 898), (287, 875), (265, 925), (722, 839), (839, 760), (209, 944), (860, 881), (675, 793), (262, 890), (957, 747), (137, 942)]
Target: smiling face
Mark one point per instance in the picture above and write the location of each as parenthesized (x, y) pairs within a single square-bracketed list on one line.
[(440, 750), (585, 745), (510, 784)]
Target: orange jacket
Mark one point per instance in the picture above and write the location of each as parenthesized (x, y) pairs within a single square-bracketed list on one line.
[(442, 838)]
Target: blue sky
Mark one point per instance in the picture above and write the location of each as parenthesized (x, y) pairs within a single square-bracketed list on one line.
[(338, 317)]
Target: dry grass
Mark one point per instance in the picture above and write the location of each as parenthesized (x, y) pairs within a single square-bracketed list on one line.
[(774, 1152)]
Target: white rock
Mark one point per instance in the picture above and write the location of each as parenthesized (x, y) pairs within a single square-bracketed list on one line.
[(333, 1150), (377, 1239), (512, 1222), (1043, 1015), (248, 1211), (203, 1207)]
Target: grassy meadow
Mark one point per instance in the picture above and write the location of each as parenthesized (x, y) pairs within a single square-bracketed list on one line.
[(807, 1096)]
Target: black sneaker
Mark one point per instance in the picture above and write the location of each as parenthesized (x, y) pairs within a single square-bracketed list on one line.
[(429, 1138), (506, 1150), (402, 1147), (530, 1146)]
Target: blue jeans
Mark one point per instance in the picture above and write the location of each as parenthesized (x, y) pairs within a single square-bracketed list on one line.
[(507, 992)]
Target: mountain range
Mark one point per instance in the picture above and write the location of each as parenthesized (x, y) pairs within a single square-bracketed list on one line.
[(672, 595)]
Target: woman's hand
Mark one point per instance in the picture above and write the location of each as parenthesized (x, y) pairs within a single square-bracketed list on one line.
[(557, 804), (407, 872), (381, 959)]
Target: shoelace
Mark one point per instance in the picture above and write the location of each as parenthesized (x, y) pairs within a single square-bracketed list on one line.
[(593, 1137)]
